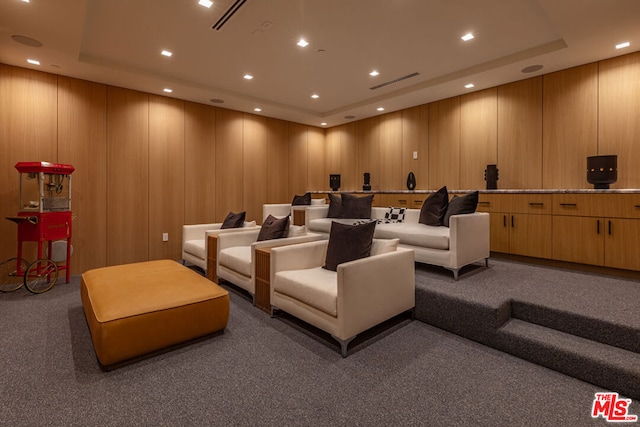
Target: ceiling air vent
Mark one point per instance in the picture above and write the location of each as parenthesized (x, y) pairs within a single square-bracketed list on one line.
[(390, 82), (228, 14)]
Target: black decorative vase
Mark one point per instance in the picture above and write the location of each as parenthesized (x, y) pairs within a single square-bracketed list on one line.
[(602, 171), (411, 181), (334, 182), (491, 176), (367, 182)]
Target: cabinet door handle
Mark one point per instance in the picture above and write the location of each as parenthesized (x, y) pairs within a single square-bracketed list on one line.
[(402, 200), (536, 204), (569, 205), (489, 204), (598, 227), (511, 221), (609, 227), (504, 220), (636, 206)]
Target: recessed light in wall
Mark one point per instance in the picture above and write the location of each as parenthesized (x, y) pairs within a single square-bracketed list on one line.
[(257, 109), (467, 37), (623, 45), (166, 89), (205, 3), (248, 76), (469, 85), (315, 96), (380, 108), (33, 61), (302, 43), (374, 73), (166, 53)]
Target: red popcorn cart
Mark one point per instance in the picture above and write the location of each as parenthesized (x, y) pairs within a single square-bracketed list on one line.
[(44, 216)]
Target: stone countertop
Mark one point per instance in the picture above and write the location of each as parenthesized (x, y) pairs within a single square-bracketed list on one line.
[(509, 191)]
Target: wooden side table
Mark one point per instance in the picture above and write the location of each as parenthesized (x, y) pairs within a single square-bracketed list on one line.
[(262, 298), (212, 258), (299, 216)]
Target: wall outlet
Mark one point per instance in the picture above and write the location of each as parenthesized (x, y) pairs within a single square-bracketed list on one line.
[(165, 237), (415, 155)]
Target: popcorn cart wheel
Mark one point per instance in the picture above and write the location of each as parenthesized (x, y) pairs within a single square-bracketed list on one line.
[(12, 274), (44, 216)]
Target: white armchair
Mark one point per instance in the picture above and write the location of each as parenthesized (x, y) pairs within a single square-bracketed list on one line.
[(195, 242), (346, 302), (236, 255)]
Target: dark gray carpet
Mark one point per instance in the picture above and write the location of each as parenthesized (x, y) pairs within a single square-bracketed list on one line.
[(265, 371), (581, 324)]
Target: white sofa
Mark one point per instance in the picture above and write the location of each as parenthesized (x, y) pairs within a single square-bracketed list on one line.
[(236, 255), (346, 302), (195, 242), (464, 242)]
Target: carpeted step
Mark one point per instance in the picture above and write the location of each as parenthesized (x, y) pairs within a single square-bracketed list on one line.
[(605, 331), (604, 365), (474, 319)]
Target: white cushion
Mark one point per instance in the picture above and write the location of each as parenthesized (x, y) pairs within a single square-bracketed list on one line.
[(296, 230), (415, 234), (316, 287), (236, 258), (318, 201), (382, 246), (194, 247), (249, 224), (323, 225)]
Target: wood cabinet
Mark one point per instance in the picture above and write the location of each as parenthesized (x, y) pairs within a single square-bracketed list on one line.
[(597, 229), (520, 224)]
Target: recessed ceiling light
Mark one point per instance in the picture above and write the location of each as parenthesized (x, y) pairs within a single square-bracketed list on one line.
[(303, 43), (166, 89), (532, 68), (380, 108), (349, 117), (623, 45), (166, 53), (467, 37), (257, 109), (248, 76), (374, 73), (205, 3), (323, 124), (217, 100), (315, 96), (25, 1), (33, 61), (469, 85)]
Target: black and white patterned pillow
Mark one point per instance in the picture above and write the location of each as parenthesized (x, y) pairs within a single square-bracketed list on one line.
[(395, 214)]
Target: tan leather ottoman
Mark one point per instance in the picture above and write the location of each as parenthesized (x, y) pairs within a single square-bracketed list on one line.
[(135, 309)]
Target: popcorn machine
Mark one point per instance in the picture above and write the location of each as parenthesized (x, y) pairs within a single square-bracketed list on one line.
[(44, 215)]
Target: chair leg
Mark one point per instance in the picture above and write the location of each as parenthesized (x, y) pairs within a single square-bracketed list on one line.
[(486, 262), (343, 344), (455, 273)]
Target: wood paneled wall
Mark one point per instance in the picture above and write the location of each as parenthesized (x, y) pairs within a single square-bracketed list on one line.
[(146, 164)]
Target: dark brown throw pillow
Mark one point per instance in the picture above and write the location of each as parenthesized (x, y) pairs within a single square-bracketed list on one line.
[(434, 208), (234, 220), (301, 200), (348, 243), (356, 207), (335, 206), (274, 228), (461, 205)]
